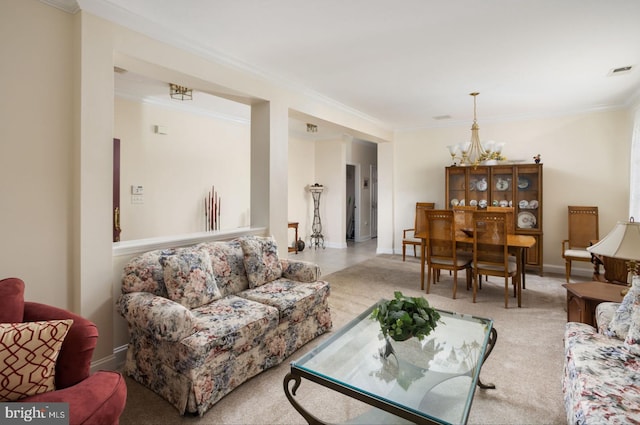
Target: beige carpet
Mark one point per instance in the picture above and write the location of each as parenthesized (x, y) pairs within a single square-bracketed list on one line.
[(525, 366)]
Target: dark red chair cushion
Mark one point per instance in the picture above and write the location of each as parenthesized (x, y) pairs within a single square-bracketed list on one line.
[(99, 399), (11, 300)]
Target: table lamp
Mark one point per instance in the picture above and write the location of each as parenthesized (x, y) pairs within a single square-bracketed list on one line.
[(622, 242)]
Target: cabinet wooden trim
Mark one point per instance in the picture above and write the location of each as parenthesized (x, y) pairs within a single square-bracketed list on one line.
[(517, 185)]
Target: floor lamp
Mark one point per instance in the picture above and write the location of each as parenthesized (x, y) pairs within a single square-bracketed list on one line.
[(623, 242)]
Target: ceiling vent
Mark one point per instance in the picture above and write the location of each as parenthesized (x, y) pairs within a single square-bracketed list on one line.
[(620, 71)]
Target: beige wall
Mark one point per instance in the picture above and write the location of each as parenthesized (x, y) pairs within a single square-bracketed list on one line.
[(585, 161), (178, 169), (36, 149), (301, 174)]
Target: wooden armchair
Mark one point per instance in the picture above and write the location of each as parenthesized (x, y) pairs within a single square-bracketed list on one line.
[(583, 229), (408, 235)]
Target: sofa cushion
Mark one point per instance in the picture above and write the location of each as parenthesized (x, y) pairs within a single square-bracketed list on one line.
[(294, 300), (604, 314), (188, 276), (261, 260), (231, 323), (28, 354), (632, 341), (227, 260), (144, 273), (619, 325), (11, 300)]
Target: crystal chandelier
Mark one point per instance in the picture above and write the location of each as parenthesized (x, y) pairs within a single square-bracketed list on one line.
[(474, 152)]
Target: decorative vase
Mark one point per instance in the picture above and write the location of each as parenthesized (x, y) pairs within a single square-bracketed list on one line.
[(300, 244)]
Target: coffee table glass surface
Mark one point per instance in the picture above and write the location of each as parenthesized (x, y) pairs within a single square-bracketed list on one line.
[(428, 381)]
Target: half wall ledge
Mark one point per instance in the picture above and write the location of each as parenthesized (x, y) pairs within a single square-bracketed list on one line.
[(143, 245)]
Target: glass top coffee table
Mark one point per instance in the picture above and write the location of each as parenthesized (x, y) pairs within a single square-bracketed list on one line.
[(429, 381)]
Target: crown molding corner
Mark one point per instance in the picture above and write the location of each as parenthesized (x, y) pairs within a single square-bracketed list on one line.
[(69, 6)]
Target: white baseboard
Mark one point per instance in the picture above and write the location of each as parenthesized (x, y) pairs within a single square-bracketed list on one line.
[(112, 362)]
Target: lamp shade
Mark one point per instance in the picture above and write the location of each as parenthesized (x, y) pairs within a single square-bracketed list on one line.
[(622, 242)]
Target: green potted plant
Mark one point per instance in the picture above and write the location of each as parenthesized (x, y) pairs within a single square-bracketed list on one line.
[(404, 317)]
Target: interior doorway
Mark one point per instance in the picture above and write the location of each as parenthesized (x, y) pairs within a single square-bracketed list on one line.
[(116, 191), (351, 202), (374, 201)]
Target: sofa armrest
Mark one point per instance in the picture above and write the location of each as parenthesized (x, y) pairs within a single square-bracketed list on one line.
[(74, 361), (99, 399), (160, 317), (301, 271)]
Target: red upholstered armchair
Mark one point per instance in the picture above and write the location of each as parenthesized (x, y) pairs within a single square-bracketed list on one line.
[(97, 398)]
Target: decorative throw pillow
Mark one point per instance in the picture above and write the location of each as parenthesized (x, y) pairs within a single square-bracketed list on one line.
[(632, 341), (189, 278), (261, 260), (621, 320), (28, 354)]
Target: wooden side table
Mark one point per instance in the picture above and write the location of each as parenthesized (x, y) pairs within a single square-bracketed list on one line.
[(584, 297), (294, 248)]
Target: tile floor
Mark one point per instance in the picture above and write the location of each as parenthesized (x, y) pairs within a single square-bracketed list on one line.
[(331, 260)]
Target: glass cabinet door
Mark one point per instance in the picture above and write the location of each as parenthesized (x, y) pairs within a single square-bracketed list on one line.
[(502, 186), (479, 187), (456, 186), (528, 198)]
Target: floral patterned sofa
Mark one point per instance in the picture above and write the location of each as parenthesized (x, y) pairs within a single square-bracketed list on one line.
[(601, 382), (204, 319)]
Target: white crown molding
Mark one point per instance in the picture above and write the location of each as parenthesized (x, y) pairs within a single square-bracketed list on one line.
[(142, 25), (69, 6), (515, 118)]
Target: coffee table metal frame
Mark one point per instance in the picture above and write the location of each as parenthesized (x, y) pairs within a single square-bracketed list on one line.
[(335, 345)]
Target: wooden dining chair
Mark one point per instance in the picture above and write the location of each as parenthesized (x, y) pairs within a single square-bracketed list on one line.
[(441, 248), (511, 229), (583, 229), (463, 218), (491, 253), (511, 225), (408, 235)]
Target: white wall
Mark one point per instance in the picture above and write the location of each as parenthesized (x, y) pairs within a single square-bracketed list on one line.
[(585, 161), (178, 169)]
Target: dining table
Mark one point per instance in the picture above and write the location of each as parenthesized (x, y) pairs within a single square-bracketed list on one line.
[(518, 244)]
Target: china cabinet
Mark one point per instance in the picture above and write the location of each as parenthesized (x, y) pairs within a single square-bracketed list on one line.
[(505, 185)]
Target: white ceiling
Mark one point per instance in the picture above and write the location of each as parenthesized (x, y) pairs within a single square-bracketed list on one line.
[(406, 62)]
